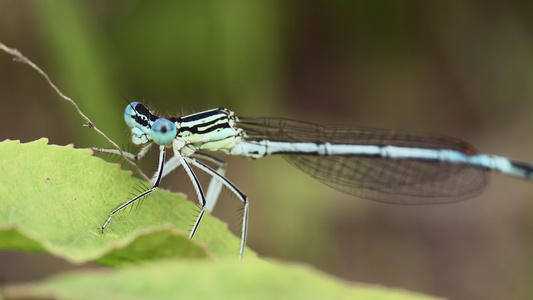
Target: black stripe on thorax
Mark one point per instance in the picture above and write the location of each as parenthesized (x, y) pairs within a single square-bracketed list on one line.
[(195, 129), (224, 119), (202, 115)]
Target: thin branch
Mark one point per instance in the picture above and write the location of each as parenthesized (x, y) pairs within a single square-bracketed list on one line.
[(23, 59)]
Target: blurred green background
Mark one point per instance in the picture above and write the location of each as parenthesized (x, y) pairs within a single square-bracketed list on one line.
[(463, 69)]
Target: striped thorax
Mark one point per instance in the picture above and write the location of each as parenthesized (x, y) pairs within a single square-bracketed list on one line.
[(211, 130)]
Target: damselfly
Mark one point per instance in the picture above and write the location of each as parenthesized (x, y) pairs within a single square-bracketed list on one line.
[(388, 166)]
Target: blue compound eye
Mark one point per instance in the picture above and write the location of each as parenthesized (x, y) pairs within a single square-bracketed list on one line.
[(129, 114), (163, 131)]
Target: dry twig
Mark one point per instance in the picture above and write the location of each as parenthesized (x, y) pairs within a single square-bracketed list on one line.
[(23, 59)]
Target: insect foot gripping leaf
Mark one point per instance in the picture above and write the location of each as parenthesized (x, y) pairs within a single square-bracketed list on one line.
[(54, 198)]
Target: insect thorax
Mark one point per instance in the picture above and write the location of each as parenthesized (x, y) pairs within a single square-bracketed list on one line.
[(212, 130)]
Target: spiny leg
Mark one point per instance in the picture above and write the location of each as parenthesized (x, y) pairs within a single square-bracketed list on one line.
[(213, 192), (223, 180), (215, 185), (143, 194), (197, 188), (139, 155)]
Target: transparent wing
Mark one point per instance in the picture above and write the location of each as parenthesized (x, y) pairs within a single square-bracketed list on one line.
[(404, 181)]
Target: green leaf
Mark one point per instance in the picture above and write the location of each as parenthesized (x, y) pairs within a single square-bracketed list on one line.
[(55, 198), (195, 279)]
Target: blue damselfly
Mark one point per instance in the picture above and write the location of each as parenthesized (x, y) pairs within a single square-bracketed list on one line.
[(383, 165)]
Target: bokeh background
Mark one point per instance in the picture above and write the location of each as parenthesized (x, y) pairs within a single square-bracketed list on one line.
[(463, 69)]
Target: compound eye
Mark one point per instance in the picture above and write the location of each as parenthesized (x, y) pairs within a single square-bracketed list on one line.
[(129, 114), (163, 131)]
